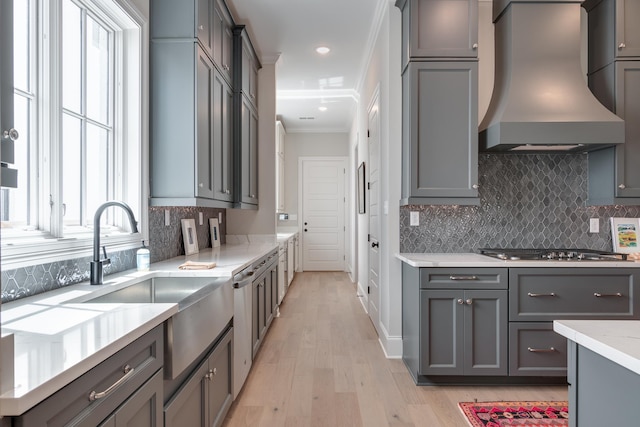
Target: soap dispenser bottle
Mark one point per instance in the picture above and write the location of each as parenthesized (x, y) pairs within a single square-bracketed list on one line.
[(143, 258)]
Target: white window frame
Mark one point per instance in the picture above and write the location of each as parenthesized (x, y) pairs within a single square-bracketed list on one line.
[(131, 120)]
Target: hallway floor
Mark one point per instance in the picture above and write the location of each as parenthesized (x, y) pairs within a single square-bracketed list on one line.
[(321, 365)]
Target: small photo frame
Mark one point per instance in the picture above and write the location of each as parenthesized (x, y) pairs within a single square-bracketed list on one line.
[(624, 233), (190, 236), (214, 226)]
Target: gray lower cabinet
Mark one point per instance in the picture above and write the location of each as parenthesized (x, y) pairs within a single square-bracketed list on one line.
[(265, 302), (136, 400), (440, 133), (463, 332), (206, 396), (428, 32), (498, 322), (614, 177)]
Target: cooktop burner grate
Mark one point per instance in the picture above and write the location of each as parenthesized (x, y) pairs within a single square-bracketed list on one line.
[(516, 254)]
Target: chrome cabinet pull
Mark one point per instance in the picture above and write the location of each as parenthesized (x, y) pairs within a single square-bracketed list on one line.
[(210, 374), (475, 186), (469, 301), (622, 186), (541, 350), (475, 46), (552, 294), (460, 301), (463, 277), (622, 45), (128, 371), (599, 295)]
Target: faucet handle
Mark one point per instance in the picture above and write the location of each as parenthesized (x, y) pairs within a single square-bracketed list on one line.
[(105, 261)]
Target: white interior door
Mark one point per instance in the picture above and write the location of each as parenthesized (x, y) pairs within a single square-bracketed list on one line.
[(323, 208), (374, 213)]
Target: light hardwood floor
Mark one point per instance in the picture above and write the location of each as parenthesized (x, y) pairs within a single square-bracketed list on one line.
[(321, 365)]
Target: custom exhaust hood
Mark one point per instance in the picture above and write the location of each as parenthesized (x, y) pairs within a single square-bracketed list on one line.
[(541, 101)]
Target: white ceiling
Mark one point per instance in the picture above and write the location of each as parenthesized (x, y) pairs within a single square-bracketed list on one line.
[(291, 30)]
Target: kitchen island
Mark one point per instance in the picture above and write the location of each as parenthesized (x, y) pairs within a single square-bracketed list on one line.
[(603, 371)]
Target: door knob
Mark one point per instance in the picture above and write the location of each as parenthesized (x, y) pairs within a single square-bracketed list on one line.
[(375, 244)]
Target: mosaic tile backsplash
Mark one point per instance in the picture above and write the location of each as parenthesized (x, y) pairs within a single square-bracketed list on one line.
[(164, 242), (527, 201)]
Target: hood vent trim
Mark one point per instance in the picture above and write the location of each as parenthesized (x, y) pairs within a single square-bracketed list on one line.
[(540, 101)]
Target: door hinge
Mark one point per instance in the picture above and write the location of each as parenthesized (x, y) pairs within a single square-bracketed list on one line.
[(368, 237), (368, 186), (344, 257), (368, 289), (368, 133)]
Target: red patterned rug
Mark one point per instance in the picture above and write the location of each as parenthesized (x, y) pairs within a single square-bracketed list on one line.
[(529, 414)]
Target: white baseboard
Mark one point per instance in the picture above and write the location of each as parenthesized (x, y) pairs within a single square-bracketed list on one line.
[(391, 345), (363, 297)]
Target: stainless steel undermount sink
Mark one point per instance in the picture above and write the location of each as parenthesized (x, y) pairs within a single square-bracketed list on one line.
[(205, 308)]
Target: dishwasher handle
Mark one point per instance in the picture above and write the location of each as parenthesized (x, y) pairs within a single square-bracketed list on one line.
[(242, 280)]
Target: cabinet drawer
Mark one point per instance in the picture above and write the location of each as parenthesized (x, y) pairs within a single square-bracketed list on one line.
[(72, 405), (535, 349), (572, 293), (463, 278)]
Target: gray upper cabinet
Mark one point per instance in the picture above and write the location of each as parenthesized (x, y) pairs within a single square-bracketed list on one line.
[(183, 19), (7, 132), (223, 181), (439, 29), (613, 31), (189, 107), (246, 66), (440, 133), (223, 39), (614, 77)]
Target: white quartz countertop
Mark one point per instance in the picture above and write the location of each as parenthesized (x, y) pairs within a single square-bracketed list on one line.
[(477, 260), (616, 340), (57, 338)]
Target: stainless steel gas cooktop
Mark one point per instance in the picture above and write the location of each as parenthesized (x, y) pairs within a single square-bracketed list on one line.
[(512, 254)]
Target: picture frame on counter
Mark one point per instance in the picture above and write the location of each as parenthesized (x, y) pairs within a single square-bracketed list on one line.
[(214, 227), (624, 234), (190, 236)]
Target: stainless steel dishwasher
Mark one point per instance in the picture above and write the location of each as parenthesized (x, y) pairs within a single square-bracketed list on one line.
[(242, 313)]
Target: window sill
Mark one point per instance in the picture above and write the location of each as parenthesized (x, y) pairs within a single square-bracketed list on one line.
[(46, 250)]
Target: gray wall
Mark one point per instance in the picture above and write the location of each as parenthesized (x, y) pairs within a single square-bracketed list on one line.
[(533, 201), (164, 243)]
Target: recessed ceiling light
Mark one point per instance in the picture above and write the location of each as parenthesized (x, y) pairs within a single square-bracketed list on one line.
[(322, 108), (323, 50)]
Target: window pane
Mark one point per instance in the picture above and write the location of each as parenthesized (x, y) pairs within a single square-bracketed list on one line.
[(97, 170), (15, 200), (71, 56), (71, 169), (98, 71), (21, 51)]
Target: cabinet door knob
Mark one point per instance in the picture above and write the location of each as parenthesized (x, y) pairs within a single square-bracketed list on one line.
[(622, 45), (475, 186), (475, 46), (460, 301), (12, 134), (253, 196), (622, 186), (201, 185), (469, 301), (201, 27)]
